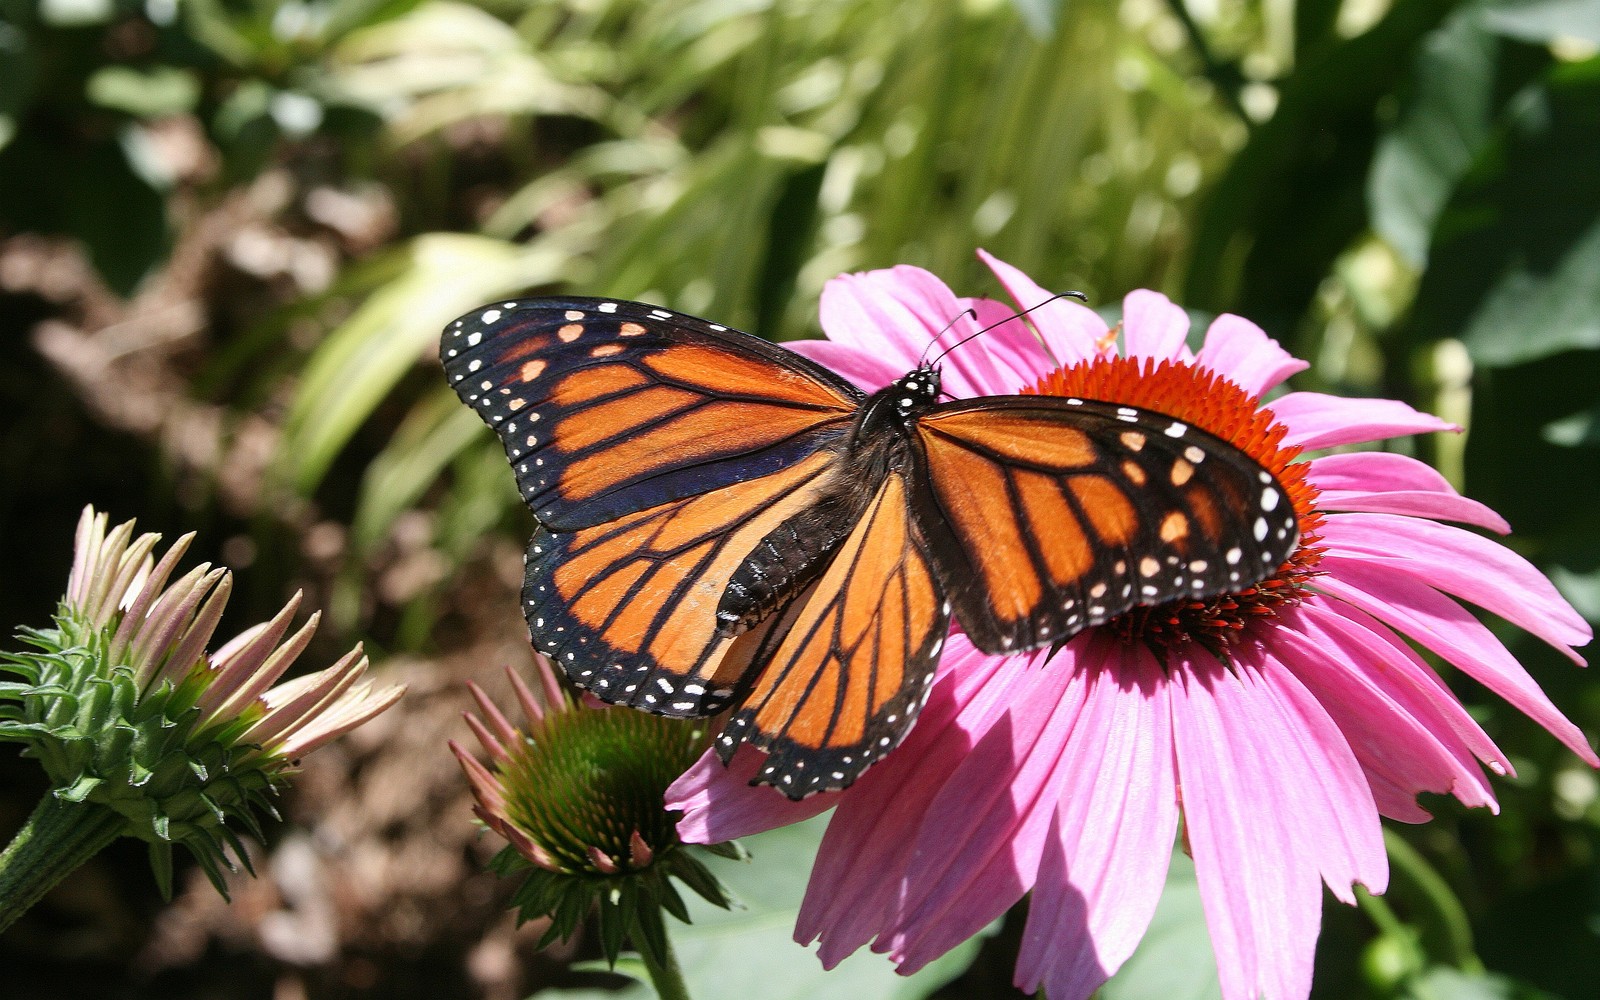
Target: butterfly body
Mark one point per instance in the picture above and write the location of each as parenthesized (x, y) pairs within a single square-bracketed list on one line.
[(725, 523)]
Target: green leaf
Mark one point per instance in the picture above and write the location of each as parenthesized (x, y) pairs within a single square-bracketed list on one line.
[(1445, 124), (1547, 934), (89, 189), (1578, 430), (1542, 21), (159, 90), (18, 64), (1445, 983), (432, 436), (79, 790), (1041, 16), (1516, 271), (1580, 588), (1293, 199), (1538, 305), (76, 13)]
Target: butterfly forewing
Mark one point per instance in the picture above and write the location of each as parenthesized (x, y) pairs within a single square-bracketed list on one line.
[(848, 668), (607, 408), (1050, 515)]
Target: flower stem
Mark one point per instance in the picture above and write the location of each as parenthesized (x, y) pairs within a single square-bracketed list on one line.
[(58, 838), (665, 975), (1450, 917)]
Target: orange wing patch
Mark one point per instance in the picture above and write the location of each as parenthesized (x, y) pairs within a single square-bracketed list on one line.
[(848, 668), (740, 376), (628, 608), (1014, 437), (681, 436)]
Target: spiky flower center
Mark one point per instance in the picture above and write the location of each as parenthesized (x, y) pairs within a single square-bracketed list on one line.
[(1202, 398), (589, 780)]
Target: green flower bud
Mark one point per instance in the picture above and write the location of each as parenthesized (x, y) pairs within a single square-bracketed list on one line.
[(133, 719), (577, 793)]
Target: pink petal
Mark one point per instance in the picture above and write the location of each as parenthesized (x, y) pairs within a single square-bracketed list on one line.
[(965, 372), (867, 371), (1376, 471), (1317, 420), (1449, 630), (1437, 506), (873, 313), (1386, 483), (902, 317), (1469, 566), (1008, 357), (1108, 848), (1273, 796), (1238, 350), (1152, 327), (1435, 696), (985, 830), (719, 803), (1396, 722), (1259, 884), (857, 879), (1070, 331), (1337, 817)]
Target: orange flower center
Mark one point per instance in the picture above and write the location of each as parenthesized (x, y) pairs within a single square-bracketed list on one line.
[(1202, 398)]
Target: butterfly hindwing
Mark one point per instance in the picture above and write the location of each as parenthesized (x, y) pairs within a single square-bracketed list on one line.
[(607, 408), (628, 607), (1049, 515), (847, 667)]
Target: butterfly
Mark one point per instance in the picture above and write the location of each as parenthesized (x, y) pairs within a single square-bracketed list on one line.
[(725, 523)]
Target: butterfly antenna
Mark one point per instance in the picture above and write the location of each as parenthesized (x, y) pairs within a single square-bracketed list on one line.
[(1014, 316), (922, 361)]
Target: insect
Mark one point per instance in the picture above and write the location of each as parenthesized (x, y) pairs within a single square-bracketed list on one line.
[(722, 522)]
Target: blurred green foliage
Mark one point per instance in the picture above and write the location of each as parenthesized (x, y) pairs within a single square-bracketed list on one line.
[(1407, 194)]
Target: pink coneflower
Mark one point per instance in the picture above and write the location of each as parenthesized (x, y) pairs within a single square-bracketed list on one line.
[(1278, 723)]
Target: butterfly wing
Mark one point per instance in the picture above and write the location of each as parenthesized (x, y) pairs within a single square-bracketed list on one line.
[(656, 450), (607, 408), (1048, 515), (628, 607), (848, 666)]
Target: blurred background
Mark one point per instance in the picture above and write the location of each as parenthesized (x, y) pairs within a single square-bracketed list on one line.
[(230, 231)]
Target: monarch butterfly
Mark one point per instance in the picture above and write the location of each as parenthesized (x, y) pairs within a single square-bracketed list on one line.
[(722, 522)]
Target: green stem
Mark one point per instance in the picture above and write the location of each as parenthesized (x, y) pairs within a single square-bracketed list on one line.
[(1450, 916), (665, 975), (58, 838)]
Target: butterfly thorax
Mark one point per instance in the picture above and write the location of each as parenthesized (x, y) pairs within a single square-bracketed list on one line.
[(893, 406), (794, 553)]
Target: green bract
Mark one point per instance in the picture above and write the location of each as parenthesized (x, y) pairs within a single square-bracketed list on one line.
[(150, 756)]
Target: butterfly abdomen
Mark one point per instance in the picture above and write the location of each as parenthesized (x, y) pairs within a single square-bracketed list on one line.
[(791, 556)]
